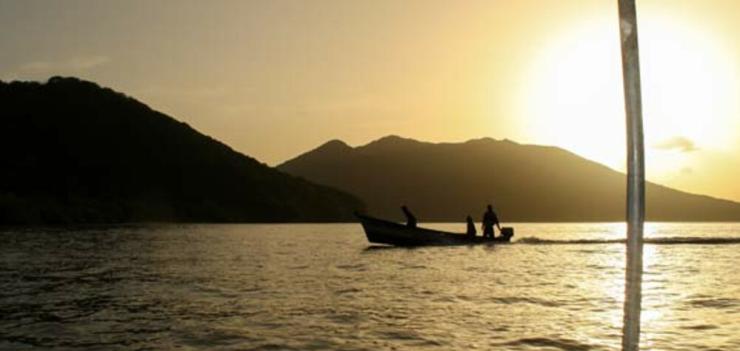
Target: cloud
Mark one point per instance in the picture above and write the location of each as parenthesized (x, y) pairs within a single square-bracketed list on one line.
[(199, 92), (75, 64), (85, 63), (677, 143), (36, 66)]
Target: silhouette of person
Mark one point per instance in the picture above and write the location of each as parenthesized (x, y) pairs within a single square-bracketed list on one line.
[(489, 220), (471, 226), (410, 219)]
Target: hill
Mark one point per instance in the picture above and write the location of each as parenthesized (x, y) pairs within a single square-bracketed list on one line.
[(447, 181), (74, 152)]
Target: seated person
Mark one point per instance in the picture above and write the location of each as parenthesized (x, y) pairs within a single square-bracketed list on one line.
[(471, 226)]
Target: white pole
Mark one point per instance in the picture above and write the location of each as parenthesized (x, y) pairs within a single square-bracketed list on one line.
[(635, 175)]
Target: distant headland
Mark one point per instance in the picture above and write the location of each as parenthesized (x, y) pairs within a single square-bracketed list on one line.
[(447, 181), (75, 152)]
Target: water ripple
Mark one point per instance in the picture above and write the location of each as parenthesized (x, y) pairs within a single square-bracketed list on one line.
[(558, 343), (252, 287)]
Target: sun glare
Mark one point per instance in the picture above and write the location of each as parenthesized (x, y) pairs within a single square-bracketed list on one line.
[(572, 91)]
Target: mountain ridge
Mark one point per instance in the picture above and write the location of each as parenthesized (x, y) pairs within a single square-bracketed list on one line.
[(75, 152), (527, 182)]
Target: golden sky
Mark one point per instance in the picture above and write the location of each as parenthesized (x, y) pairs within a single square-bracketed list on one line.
[(274, 78)]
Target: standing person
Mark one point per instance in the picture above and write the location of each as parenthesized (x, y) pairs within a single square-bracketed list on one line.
[(410, 219), (489, 220), (471, 226)]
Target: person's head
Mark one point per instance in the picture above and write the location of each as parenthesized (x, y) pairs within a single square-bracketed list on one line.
[(403, 207), (490, 208)]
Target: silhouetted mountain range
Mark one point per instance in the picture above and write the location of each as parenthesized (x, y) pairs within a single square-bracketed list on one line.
[(447, 181), (73, 152)]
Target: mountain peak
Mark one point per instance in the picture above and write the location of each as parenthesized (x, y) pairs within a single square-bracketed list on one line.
[(329, 150), (391, 141), (334, 145), (392, 138), (77, 84), (483, 140)]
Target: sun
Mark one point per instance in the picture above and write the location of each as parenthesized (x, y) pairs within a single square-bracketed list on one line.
[(571, 92)]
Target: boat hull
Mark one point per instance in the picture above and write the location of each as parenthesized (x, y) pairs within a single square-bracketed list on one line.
[(380, 231)]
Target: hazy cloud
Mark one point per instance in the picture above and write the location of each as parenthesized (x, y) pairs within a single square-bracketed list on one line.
[(189, 93), (677, 143), (76, 64)]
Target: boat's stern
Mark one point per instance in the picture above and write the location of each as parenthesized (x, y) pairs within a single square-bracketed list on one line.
[(507, 233)]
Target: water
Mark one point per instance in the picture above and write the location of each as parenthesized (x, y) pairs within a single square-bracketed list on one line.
[(316, 287)]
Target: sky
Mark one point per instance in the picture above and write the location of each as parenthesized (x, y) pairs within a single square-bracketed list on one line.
[(275, 78)]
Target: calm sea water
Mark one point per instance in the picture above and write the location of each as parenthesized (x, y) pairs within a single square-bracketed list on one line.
[(316, 287)]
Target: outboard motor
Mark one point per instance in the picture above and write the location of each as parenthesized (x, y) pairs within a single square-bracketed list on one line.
[(507, 232)]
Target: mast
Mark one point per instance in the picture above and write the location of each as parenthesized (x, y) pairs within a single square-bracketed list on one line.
[(635, 175)]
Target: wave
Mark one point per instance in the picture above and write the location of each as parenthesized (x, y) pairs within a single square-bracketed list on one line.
[(556, 343), (678, 240)]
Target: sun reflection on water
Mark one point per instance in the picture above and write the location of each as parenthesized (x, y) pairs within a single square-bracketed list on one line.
[(319, 286)]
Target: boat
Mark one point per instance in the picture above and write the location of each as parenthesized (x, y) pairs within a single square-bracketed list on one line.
[(380, 231)]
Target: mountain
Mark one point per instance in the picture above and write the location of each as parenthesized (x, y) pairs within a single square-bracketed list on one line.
[(74, 152), (447, 181)]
